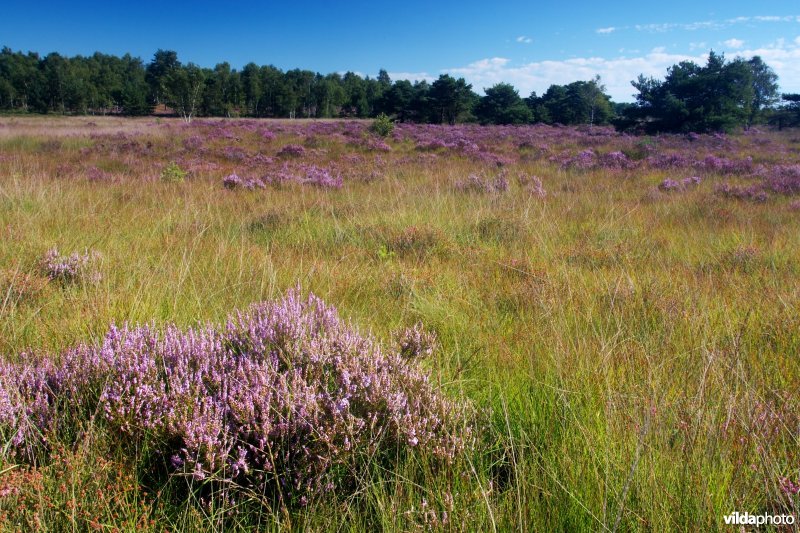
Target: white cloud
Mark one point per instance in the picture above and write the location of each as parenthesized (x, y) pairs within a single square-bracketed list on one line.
[(608, 30), (411, 76), (523, 39), (617, 73), (774, 19), (711, 24), (698, 46), (733, 43)]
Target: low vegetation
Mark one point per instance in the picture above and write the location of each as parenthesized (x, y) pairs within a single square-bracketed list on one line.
[(250, 324)]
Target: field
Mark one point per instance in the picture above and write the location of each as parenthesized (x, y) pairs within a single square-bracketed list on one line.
[(616, 323)]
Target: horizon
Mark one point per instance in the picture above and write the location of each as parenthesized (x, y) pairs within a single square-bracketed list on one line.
[(529, 47)]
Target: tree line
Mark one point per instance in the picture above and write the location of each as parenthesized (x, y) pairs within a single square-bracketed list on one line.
[(718, 96)]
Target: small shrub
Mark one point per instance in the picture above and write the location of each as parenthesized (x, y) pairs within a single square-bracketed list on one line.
[(292, 150), (322, 177), (233, 181), (479, 184), (532, 185), (382, 125), (415, 342), (172, 173), (75, 268), (286, 400)]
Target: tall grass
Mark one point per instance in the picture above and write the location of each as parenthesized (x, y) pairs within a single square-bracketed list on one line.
[(633, 355)]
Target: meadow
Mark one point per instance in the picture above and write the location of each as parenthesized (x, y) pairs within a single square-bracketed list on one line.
[(570, 329)]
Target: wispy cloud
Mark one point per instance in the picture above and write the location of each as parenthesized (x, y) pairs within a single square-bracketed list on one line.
[(664, 27), (524, 40), (617, 73), (411, 76), (733, 43)]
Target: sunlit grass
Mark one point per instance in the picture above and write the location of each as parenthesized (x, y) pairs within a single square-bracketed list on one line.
[(635, 356)]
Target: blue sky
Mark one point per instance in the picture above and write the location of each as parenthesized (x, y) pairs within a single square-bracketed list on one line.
[(528, 45)]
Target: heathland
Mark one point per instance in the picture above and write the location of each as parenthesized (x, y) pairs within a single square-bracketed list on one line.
[(512, 327)]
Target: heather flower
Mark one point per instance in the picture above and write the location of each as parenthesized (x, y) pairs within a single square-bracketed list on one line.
[(416, 342), (234, 181), (532, 184), (69, 269), (96, 174), (754, 193), (789, 487), (322, 177), (670, 185), (291, 150), (476, 183), (285, 394)]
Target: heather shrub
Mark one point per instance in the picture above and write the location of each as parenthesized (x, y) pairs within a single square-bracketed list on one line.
[(415, 342), (292, 150), (286, 400), (322, 177), (480, 184), (753, 193), (671, 185), (532, 185), (234, 181), (74, 268)]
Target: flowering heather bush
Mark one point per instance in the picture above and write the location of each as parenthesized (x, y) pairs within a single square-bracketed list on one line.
[(286, 399), (789, 487), (195, 142), (96, 174), (234, 153), (322, 177), (585, 160), (784, 179), (69, 269), (721, 165), (671, 185), (532, 184), (233, 181), (753, 193), (668, 161), (279, 176), (291, 150), (617, 160), (416, 342), (476, 183)]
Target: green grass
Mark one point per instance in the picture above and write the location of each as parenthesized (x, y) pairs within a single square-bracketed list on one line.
[(625, 353)]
